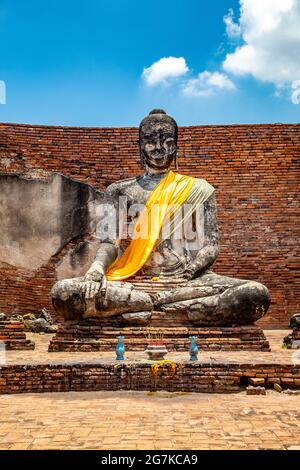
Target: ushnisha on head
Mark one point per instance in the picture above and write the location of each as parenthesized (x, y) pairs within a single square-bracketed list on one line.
[(158, 135)]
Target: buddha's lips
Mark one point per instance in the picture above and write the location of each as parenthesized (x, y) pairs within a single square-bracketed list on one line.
[(158, 156), (158, 159)]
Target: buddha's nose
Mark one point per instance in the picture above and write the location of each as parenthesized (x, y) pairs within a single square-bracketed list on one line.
[(158, 143)]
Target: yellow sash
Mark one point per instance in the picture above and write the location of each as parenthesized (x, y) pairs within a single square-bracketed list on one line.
[(172, 191)]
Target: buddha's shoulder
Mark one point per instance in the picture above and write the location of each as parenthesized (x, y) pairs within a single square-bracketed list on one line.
[(197, 179), (204, 183), (120, 186)]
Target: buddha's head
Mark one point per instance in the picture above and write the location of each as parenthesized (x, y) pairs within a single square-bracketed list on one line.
[(158, 140)]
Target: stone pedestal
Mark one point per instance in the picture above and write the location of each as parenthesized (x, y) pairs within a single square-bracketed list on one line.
[(100, 335), (13, 336)]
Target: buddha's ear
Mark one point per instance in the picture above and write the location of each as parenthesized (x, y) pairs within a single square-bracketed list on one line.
[(177, 156), (176, 161), (139, 141)]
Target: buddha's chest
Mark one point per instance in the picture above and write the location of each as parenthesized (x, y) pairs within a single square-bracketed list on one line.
[(174, 252)]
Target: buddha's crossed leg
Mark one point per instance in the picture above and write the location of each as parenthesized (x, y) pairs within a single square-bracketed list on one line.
[(120, 298), (209, 300), (214, 300)]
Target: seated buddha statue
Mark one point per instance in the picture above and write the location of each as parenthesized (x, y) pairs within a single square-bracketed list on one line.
[(157, 204)]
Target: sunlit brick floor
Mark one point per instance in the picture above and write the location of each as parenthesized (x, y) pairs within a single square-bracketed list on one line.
[(139, 420)]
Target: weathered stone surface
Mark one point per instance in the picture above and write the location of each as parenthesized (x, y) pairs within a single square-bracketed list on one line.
[(295, 321), (3, 317), (277, 387), (40, 216), (39, 325), (42, 322), (47, 316), (68, 297), (292, 341), (27, 316), (139, 318), (255, 390), (77, 260)]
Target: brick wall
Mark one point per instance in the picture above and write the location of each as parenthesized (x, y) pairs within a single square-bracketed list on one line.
[(254, 168), (187, 377)]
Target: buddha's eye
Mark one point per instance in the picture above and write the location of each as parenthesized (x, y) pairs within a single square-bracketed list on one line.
[(150, 142), (170, 140)]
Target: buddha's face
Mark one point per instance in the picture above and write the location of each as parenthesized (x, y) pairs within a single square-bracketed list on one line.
[(158, 144)]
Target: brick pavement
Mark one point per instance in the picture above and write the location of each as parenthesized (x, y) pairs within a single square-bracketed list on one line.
[(140, 420)]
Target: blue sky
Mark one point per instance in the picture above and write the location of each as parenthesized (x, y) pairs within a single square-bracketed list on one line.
[(81, 62)]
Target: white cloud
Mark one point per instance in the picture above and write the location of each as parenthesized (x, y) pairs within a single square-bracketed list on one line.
[(207, 83), (295, 95), (271, 43), (165, 69), (2, 92), (233, 30)]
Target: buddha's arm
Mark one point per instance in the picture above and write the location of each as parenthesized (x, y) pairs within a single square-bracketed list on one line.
[(105, 256), (107, 231), (209, 252)]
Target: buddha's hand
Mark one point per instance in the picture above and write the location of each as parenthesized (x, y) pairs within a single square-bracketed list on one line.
[(94, 282), (189, 271)]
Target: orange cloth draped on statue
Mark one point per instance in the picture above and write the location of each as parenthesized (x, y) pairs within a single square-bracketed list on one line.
[(167, 196)]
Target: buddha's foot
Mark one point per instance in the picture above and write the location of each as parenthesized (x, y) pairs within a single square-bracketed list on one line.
[(137, 318)]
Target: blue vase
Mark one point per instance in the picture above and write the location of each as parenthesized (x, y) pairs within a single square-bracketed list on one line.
[(193, 349), (120, 349)]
